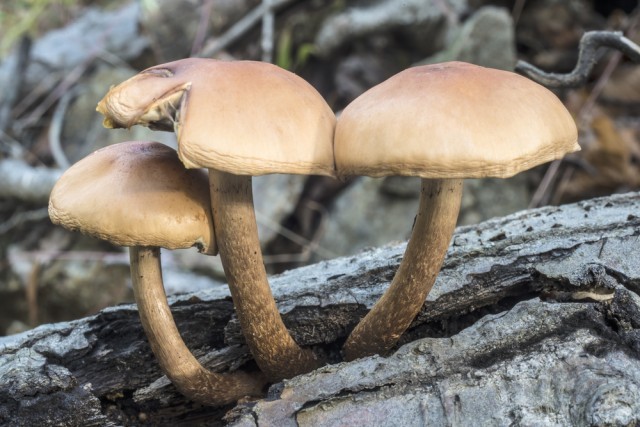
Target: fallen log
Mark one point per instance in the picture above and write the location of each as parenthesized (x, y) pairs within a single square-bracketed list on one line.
[(534, 319)]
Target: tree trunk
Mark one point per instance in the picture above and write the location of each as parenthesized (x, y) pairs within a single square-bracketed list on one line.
[(533, 320)]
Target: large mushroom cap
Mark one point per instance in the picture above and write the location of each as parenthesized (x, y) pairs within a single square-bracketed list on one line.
[(452, 120), (241, 117), (136, 194)]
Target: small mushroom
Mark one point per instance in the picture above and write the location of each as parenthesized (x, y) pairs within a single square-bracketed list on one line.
[(138, 194), (443, 123), (237, 119)]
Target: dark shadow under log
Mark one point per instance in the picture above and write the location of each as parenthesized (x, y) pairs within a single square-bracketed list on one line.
[(534, 319)]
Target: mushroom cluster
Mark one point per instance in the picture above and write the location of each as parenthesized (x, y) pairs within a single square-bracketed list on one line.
[(147, 200), (239, 119)]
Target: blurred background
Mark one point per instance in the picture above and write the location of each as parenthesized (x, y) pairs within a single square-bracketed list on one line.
[(58, 58)]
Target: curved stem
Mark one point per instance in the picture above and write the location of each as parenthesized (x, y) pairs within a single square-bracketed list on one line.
[(393, 313), (175, 359), (273, 348)]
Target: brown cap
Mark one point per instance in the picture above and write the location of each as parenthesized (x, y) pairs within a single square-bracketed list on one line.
[(452, 120), (241, 117), (136, 194)]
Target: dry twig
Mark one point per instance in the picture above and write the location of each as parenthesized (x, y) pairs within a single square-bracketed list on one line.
[(203, 26), (57, 122), (590, 43), (11, 92), (24, 182), (31, 294), (268, 23), (241, 27), (20, 218), (587, 58), (308, 245), (65, 85)]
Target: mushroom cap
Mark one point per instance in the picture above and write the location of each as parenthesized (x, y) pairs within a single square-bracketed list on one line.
[(452, 120), (136, 194), (241, 117)]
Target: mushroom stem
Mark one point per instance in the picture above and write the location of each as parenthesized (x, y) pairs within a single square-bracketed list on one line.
[(393, 313), (273, 348), (175, 359)]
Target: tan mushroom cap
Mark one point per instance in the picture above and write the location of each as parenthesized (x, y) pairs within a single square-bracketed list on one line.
[(453, 120), (241, 117), (136, 194)]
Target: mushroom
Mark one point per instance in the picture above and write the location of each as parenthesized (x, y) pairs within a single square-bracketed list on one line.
[(443, 123), (138, 194), (238, 119)]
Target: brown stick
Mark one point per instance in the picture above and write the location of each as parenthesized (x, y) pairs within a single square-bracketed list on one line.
[(393, 313), (175, 359), (32, 293), (273, 348)]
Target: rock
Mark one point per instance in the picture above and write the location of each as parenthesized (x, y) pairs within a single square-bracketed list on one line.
[(367, 216), (373, 212), (274, 197), (487, 38), (383, 16), (170, 27), (492, 197)]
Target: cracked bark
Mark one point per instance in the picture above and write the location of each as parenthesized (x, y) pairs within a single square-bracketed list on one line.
[(534, 319)]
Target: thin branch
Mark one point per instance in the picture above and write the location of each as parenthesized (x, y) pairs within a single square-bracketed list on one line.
[(587, 58), (11, 146), (241, 27), (611, 66), (43, 87), (314, 243), (66, 84), (24, 182), (203, 27), (31, 294), (20, 218), (114, 60), (13, 90), (294, 237), (540, 197), (46, 256), (55, 130), (516, 11), (300, 257), (268, 23)]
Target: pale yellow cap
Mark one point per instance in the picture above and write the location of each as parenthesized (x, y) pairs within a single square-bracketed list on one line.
[(136, 193), (241, 117), (452, 120)]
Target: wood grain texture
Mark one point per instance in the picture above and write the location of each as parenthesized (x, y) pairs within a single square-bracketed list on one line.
[(534, 319)]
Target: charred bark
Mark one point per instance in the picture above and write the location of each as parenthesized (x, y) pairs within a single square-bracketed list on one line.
[(534, 319)]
